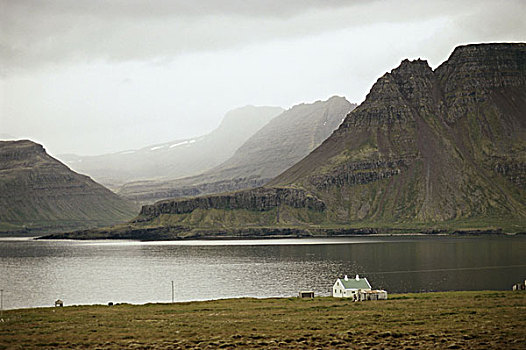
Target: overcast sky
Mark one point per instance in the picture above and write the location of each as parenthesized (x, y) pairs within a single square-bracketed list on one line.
[(98, 76)]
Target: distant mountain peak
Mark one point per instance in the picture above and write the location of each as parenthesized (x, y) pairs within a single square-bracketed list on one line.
[(20, 152), (178, 158), (40, 193), (412, 65), (276, 146), (336, 98)]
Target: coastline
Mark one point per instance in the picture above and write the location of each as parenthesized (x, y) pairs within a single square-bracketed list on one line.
[(180, 233), (325, 297)]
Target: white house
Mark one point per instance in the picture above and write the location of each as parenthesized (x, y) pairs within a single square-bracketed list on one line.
[(350, 287), (357, 288)]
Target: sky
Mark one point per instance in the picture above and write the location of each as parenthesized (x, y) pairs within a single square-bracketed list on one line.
[(97, 76)]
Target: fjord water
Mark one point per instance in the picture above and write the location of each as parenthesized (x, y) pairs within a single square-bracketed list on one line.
[(36, 273)]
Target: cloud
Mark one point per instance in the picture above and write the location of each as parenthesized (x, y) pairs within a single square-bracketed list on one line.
[(43, 32), (36, 33), (164, 8), (92, 76)]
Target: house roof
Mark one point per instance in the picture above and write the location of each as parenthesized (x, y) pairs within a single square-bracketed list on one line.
[(355, 283)]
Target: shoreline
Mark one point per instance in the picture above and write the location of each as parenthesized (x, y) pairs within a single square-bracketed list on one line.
[(391, 296), (269, 237), (183, 233)]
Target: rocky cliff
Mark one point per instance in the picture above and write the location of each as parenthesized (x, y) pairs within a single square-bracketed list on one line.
[(259, 199), (281, 143), (428, 150), (38, 193), (429, 146)]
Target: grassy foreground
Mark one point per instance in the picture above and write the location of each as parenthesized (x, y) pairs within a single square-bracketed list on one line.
[(454, 320)]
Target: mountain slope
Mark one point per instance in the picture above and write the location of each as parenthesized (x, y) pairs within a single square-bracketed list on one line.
[(178, 158), (439, 150), (278, 145), (40, 193), (429, 146)]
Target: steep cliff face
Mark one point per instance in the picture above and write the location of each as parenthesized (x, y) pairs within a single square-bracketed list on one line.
[(40, 193), (427, 150), (429, 146), (278, 145), (260, 199)]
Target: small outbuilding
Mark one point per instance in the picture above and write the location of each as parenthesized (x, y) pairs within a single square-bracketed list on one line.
[(59, 303), (306, 294), (375, 294), (519, 286)]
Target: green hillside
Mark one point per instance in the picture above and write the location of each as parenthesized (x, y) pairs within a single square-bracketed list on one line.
[(38, 193)]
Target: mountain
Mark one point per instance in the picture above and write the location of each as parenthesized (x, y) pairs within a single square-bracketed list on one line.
[(38, 193), (428, 150), (178, 158), (430, 146), (281, 143)]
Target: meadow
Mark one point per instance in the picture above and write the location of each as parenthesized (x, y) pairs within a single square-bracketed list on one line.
[(453, 320)]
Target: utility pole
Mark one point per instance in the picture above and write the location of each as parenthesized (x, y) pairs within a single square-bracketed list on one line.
[(172, 291), (1, 305)]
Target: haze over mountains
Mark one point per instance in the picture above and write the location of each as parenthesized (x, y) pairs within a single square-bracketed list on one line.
[(427, 150), (278, 145), (38, 193), (432, 150), (178, 158)]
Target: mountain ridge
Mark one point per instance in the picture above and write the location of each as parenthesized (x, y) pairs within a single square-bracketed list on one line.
[(427, 151), (178, 158), (439, 137), (276, 146)]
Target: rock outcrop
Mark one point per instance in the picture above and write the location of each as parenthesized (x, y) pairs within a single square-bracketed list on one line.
[(259, 199)]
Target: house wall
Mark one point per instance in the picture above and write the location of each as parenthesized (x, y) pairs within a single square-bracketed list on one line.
[(339, 291), (350, 293)]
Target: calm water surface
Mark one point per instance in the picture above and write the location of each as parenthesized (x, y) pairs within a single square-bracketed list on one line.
[(36, 273)]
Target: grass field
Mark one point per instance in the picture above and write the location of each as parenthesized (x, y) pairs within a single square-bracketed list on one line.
[(449, 320)]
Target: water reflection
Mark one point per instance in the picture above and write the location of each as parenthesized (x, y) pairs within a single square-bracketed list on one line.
[(35, 273)]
